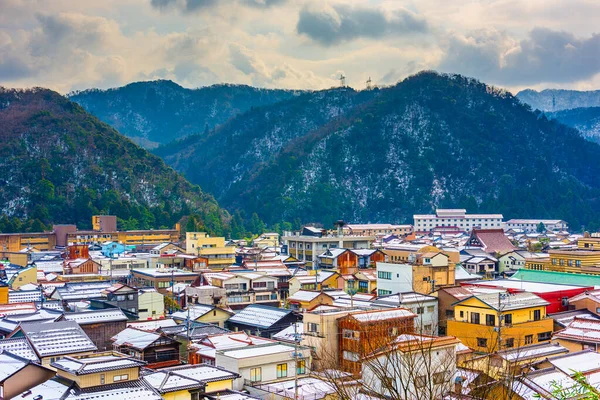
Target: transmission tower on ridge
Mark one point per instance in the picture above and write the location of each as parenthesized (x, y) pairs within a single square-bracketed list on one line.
[(342, 80), (369, 87)]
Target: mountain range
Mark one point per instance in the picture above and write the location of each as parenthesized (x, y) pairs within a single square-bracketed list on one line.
[(59, 164), (158, 112)]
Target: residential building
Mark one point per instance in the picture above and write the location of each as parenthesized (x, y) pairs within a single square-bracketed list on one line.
[(122, 296), (449, 296), (315, 280), (55, 340), (366, 281), (580, 260), (425, 308), (259, 320), (157, 349), (188, 382), (377, 229), (18, 374), (454, 221), (134, 237), (269, 239), (265, 363), (306, 300), (417, 364), (100, 325), (515, 260), (99, 369), (342, 260), (365, 332), (203, 351), (531, 225), (15, 242), (151, 304), (492, 322), (161, 279), (308, 244), (246, 288), (213, 248), (205, 313), (482, 265), (492, 241), (580, 334)]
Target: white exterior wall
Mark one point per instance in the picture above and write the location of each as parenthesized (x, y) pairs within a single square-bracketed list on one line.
[(531, 227), (407, 366), (401, 278), (425, 224), (427, 322), (155, 304)]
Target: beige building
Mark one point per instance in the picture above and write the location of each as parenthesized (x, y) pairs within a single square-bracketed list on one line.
[(213, 248)]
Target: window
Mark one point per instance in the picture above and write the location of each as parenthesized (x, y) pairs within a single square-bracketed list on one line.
[(427, 328), (440, 377), (475, 318), (255, 374), (420, 381), (121, 297), (118, 378), (350, 334), (420, 310), (384, 275), (430, 309), (578, 263), (544, 336), (282, 370), (510, 342), (481, 342), (490, 320), (301, 367), (102, 380), (350, 356), (312, 327), (462, 314), (130, 297), (259, 285), (383, 292), (528, 339), (537, 315), (507, 319)]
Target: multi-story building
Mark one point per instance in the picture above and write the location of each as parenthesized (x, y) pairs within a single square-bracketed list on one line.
[(531, 225), (425, 308), (15, 242), (377, 229), (213, 248), (161, 279), (367, 331), (247, 288), (496, 321), (583, 261), (308, 244), (455, 221)]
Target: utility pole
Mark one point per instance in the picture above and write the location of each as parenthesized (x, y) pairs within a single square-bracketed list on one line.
[(369, 87), (296, 360)]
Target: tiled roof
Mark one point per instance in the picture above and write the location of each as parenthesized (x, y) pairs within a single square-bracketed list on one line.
[(581, 329), (493, 240), (97, 316), (57, 338), (260, 316), (186, 377), (512, 301), (135, 338), (19, 346), (91, 365)]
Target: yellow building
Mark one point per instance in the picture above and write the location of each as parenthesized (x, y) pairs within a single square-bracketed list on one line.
[(3, 293), (213, 248), (14, 242), (306, 300), (270, 239), (189, 381), (492, 322), (22, 277), (205, 313), (316, 280), (574, 261)]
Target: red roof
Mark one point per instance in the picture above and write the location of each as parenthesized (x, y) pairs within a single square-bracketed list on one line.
[(493, 240)]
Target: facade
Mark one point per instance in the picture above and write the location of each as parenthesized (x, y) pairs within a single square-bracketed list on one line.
[(100, 325), (161, 279), (584, 260), (151, 304), (18, 375), (269, 239), (367, 331), (515, 260), (377, 229), (580, 334), (202, 313), (263, 321), (492, 322), (455, 221), (247, 288), (188, 382), (531, 225), (425, 308), (305, 300), (316, 280), (265, 363), (307, 245), (213, 248), (156, 349), (136, 237)]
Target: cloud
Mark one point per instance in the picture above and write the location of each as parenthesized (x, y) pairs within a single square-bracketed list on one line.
[(329, 25), (544, 56), (198, 5)]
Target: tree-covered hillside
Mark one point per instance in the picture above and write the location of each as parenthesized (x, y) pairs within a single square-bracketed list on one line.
[(158, 112), (379, 156), (585, 120), (59, 164)]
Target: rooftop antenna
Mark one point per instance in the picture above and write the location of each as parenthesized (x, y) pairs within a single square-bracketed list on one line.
[(342, 79), (369, 87)]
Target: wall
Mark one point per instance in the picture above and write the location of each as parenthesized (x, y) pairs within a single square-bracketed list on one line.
[(25, 379), (153, 302), (401, 278)]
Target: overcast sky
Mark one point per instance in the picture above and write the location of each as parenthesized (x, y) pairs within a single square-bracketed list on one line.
[(78, 44)]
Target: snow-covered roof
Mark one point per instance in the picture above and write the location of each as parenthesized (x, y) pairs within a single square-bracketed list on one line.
[(186, 377), (51, 389), (97, 316), (305, 295), (22, 296), (535, 351), (194, 312), (62, 337), (308, 388), (381, 315), (19, 346), (255, 351), (92, 365), (135, 338), (259, 315), (582, 361), (131, 390), (289, 335), (153, 325)]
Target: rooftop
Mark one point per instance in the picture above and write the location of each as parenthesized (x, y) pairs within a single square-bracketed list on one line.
[(135, 338), (96, 363), (97, 316), (57, 338), (260, 316), (19, 346), (564, 278), (263, 350), (186, 377), (511, 301)]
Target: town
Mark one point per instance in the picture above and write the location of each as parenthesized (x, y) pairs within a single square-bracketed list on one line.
[(453, 306)]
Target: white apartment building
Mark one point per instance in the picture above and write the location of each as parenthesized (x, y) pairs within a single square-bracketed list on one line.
[(455, 220), (530, 225)]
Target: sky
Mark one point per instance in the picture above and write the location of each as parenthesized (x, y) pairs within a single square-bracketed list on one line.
[(70, 45)]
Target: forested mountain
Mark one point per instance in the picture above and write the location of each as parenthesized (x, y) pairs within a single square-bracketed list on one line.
[(158, 112), (431, 141), (585, 120), (59, 164), (559, 99)]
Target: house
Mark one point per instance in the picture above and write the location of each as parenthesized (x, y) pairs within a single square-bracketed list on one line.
[(21, 277), (366, 281), (112, 249), (122, 296), (492, 241), (51, 389), (515, 260), (261, 320), (481, 265), (189, 382), (151, 304), (167, 248), (496, 321), (531, 225), (416, 364), (99, 369), (582, 260), (20, 347), (317, 280), (564, 318), (18, 374), (424, 306), (580, 334), (342, 260), (53, 341), (269, 239), (246, 288), (290, 334), (367, 331), (213, 248), (306, 300), (157, 349), (100, 325), (368, 258), (161, 279), (588, 300), (203, 313), (265, 363), (203, 351), (81, 266)]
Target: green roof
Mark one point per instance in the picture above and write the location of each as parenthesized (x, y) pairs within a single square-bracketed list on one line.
[(564, 278)]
